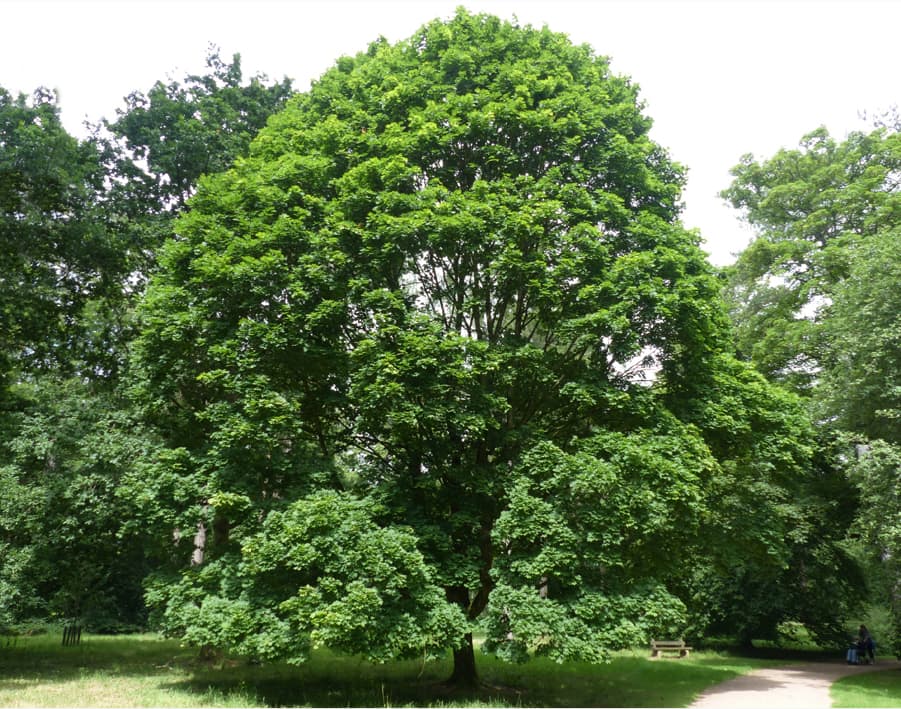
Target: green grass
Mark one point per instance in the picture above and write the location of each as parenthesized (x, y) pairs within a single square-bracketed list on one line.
[(139, 671), (122, 671), (874, 689)]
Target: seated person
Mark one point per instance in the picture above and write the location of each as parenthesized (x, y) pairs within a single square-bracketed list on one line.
[(866, 646)]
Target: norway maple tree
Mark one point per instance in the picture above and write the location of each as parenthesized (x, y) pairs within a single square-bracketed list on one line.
[(429, 297)]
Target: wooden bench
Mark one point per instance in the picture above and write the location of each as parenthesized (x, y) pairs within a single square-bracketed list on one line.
[(659, 647), (71, 634)]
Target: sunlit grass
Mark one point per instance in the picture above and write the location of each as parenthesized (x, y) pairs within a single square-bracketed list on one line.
[(122, 671), (142, 671), (873, 689)]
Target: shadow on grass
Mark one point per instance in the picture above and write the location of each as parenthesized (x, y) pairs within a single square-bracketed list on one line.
[(328, 680), (331, 681), (336, 681)]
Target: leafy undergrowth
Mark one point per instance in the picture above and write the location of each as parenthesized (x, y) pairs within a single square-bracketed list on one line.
[(138, 671), (873, 689)]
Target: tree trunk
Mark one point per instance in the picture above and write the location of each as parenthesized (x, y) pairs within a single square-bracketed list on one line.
[(465, 674), (199, 545)]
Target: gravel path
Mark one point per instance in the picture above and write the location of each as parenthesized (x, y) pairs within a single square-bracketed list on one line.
[(796, 686)]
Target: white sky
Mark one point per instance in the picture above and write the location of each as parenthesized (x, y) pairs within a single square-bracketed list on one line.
[(720, 78)]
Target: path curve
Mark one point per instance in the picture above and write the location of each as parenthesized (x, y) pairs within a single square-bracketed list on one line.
[(802, 686)]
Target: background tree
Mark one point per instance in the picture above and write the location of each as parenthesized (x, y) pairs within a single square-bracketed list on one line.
[(59, 267), (811, 208), (450, 251), (775, 462), (63, 550), (153, 154), (55, 255), (861, 382), (861, 393), (814, 305), (876, 469), (180, 130), (80, 222)]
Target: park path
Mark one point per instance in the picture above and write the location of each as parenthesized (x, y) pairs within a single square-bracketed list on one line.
[(795, 686)]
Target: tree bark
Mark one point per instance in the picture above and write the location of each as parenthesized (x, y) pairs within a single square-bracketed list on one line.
[(464, 674), (199, 545)]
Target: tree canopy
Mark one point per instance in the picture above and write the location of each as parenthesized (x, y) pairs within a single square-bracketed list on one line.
[(450, 252), (424, 351), (861, 383), (811, 208), (815, 305), (80, 223), (55, 255)]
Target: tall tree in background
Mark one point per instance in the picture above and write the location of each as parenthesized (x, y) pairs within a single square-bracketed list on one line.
[(80, 223), (814, 300), (811, 208), (156, 150), (55, 255), (861, 393), (431, 279), (59, 266), (82, 219), (861, 382), (180, 130)]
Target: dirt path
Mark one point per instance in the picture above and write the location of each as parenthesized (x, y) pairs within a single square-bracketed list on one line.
[(796, 686)]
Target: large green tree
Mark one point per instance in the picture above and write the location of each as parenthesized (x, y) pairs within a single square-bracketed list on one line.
[(442, 267)]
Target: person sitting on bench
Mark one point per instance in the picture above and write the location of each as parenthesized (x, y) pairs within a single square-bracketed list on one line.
[(866, 646)]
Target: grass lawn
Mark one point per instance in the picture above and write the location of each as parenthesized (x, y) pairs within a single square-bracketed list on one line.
[(874, 689), (143, 670)]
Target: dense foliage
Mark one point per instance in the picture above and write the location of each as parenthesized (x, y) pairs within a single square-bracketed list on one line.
[(774, 462), (80, 222), (812, 208), (815, 304), (876, 470), (436, 285), (164, 140), (55, 255), (426, 350), (861, 379), (63, 551)]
